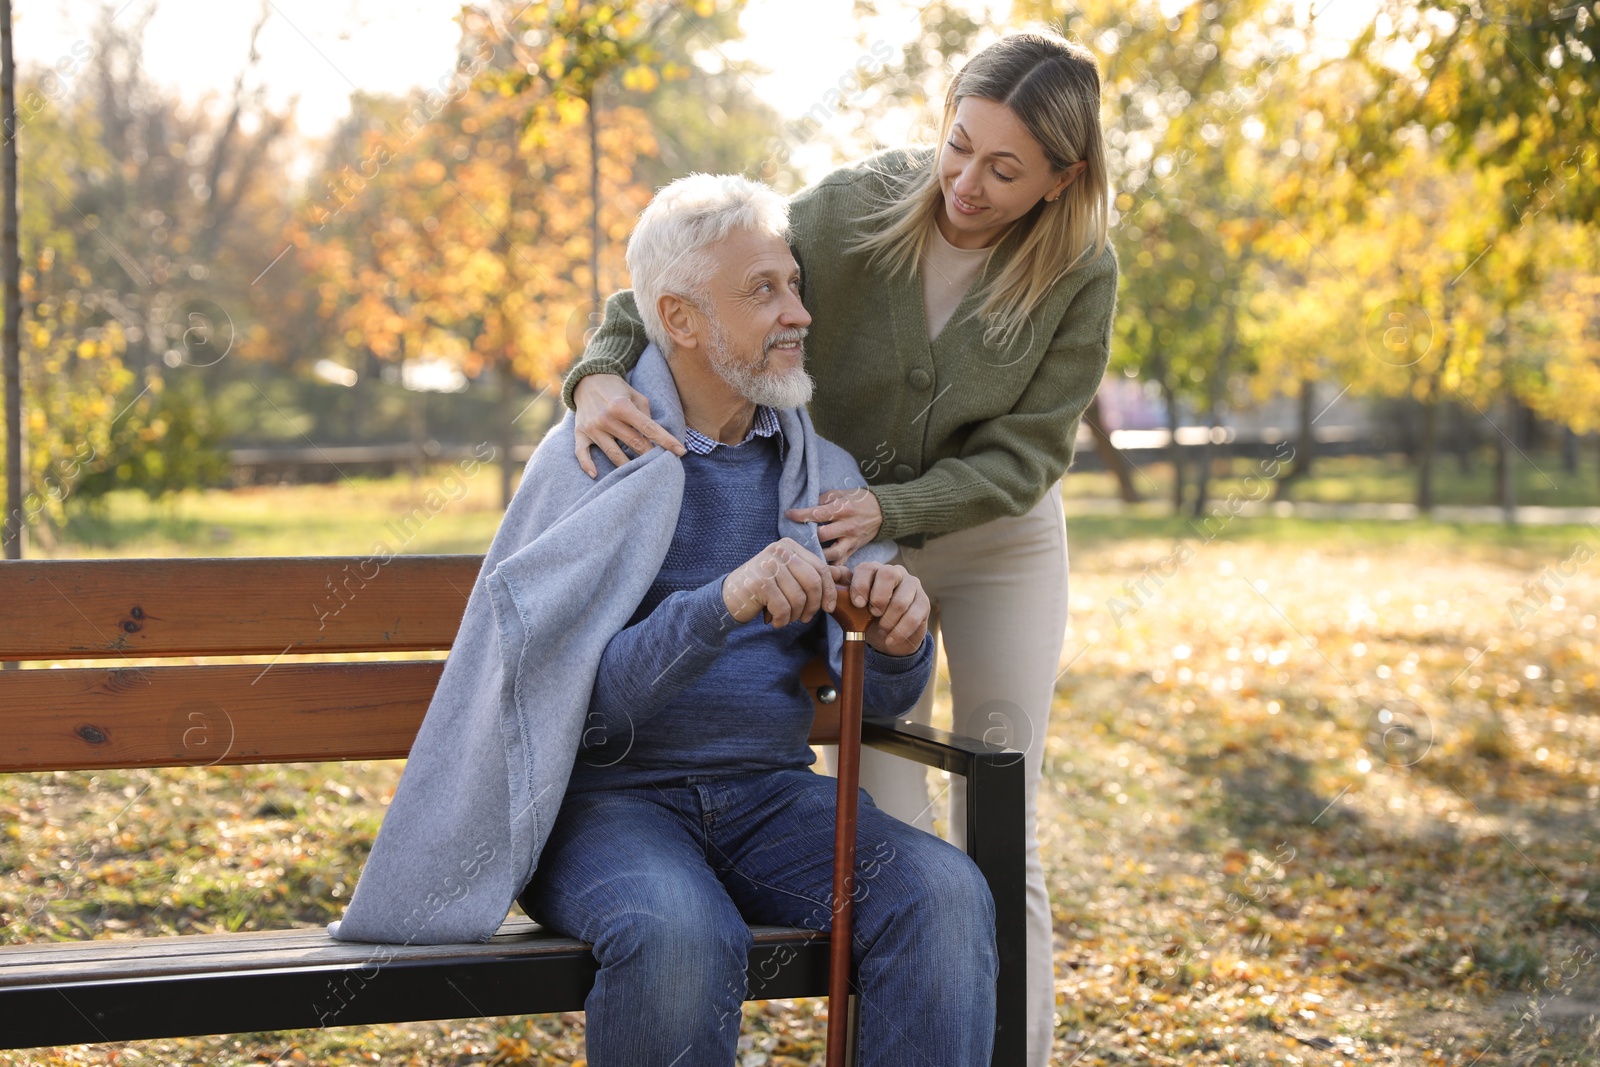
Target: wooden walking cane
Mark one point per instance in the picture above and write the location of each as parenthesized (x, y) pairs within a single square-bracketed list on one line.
[(852, 670)]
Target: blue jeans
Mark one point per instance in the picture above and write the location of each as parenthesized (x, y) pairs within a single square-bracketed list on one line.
[(664, 882)]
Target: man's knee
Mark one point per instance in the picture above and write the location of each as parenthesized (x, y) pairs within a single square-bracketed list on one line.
[(958, 890), (682, 949), (952, 897)]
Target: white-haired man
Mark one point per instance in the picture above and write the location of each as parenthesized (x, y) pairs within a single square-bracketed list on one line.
[(692, 811)]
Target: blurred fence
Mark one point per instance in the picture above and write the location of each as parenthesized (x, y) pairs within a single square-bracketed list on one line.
[(328, 463)]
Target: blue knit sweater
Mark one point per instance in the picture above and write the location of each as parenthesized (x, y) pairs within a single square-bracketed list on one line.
[(684, 689)]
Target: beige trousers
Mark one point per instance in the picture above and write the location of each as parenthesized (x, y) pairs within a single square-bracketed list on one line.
[(999, 593)]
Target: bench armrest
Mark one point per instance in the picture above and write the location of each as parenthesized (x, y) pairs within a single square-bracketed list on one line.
[(996, 841), (955, 753)]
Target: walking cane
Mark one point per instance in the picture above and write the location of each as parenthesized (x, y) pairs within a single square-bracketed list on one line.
[(852, 670)]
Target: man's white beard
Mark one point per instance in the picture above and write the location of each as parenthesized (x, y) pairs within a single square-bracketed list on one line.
[(775, 389)]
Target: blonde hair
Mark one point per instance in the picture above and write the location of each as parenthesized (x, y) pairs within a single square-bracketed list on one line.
[(1053, 87)]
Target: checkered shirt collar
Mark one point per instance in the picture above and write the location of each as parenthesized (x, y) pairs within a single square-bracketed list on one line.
[(765, 424)]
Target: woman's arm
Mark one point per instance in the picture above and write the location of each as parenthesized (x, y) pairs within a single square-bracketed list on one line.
[(615, 347), (610, 412)]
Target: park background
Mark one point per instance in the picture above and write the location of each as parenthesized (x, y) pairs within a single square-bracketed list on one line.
[(1323, 776)]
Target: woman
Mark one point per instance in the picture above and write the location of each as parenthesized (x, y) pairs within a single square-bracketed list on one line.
[(963, 299)]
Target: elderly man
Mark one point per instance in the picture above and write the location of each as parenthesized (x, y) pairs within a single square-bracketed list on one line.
[(691, 811)]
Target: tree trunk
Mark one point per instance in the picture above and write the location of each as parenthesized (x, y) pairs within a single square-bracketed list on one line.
[(594, 203), (1427, 447), (1111, 456), (502, 422), (1305, 453), (10, 277), (1214, 402), (1202, 476), (1569, 450), (418, 424), (503, 365), (218, 212), (1505, 471), (1174, 450), (1462, 440), (1425, 453)]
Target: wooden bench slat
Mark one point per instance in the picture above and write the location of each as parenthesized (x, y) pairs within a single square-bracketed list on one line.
[(825, 717), (94, 609), (93, 718)]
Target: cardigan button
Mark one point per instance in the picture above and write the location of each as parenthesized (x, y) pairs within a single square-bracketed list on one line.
[(904, 472), (920, 379)]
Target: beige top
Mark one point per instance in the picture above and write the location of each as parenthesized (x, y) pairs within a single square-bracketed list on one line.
[(947, 273)]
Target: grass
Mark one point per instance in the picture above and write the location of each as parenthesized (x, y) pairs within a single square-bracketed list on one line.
[(1482, 540), (350, 516), (1315, 793), (341, 518), (1541, 481)]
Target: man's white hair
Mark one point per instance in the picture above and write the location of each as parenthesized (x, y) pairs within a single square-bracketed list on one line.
[(667, 252)]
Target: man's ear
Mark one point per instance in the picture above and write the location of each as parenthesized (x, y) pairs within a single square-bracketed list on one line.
[(680, 319)]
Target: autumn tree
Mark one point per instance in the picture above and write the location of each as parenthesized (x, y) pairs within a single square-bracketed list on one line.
[(464, 241), (91, 422), (1514, 85), (142, 228), (1187, 99), (11, 534), (560, 56), (480, 233), (1452, 140)]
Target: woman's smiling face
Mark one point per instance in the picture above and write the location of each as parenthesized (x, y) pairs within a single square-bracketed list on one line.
[(991, 172)]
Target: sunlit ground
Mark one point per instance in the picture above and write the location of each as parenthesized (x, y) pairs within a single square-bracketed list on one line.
[(1316, 793), (1329, 798)]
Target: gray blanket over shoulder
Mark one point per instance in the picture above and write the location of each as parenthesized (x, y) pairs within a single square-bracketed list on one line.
[(572, 559)]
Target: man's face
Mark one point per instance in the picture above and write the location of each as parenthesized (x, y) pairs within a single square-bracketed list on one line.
[(757, 321)]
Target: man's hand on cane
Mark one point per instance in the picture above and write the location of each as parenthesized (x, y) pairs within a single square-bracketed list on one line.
[(785, 582), (899, 606)]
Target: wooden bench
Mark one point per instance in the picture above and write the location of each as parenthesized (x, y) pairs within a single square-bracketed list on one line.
[(142, 714)]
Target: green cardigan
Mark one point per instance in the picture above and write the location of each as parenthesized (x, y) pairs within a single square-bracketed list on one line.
[(949, 434)]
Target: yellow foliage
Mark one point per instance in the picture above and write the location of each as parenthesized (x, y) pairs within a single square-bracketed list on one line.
[(642, 79), (571, 110), (70, 373), (484, 259), (1444, 92)]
